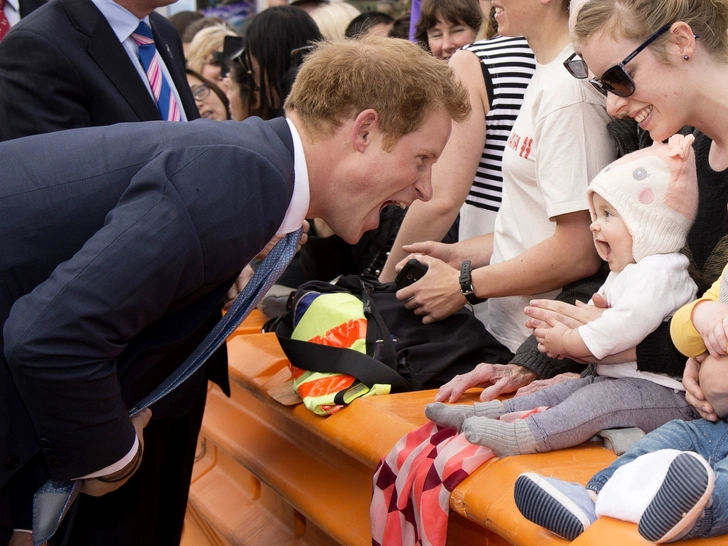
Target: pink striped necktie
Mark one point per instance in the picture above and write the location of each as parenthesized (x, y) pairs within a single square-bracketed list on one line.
[(149, 57), (4, 23)]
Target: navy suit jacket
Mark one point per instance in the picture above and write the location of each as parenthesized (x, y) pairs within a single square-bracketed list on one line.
[(62, 67), (28, 6), (118, 243)]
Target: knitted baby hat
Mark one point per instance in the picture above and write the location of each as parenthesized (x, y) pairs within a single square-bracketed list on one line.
[(655, 191)]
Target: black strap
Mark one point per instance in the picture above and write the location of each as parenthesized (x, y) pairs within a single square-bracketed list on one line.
[(325, 359), (380, 334)]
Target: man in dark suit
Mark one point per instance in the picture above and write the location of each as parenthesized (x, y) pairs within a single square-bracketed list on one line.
[(119, 242), (69, 64)]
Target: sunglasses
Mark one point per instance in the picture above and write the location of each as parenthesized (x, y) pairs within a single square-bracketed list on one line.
[(298, 54), (615, 80)]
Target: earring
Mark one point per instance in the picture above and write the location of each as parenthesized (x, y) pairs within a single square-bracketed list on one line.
[(686, 57)]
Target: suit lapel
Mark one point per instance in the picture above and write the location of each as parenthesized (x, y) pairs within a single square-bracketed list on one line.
[(111, 57)]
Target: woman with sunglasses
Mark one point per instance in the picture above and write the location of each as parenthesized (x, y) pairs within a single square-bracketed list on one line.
[(541, 241), (677, 79)]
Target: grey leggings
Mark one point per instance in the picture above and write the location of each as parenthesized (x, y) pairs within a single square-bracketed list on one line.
[(580, 408)]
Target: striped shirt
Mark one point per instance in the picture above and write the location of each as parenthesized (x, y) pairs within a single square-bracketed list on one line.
[(508, 65)]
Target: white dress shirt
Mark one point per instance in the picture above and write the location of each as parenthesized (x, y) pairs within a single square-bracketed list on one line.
[(12, 11)]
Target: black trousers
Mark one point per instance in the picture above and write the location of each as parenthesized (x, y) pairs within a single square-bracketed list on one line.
[(149, 509)]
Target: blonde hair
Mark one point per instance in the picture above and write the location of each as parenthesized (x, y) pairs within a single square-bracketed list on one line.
[(637, 19), (333, 18), (396, 78), (204, 43)]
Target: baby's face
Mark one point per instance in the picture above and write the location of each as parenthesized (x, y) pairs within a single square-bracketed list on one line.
[(611, 236), (713, 381)]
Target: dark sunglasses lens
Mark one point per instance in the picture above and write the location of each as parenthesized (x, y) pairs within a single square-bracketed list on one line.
[(618, 82), (577, 68)]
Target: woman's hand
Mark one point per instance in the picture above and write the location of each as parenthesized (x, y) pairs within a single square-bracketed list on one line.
[(435, 296), (571, 316), (693, 393), (497, 378), (443, 252)]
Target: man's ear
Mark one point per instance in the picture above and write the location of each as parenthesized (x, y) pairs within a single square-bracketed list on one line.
[(682, 40), (362, 131)]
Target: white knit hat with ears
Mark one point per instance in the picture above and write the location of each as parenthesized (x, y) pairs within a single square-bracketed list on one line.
[(655, 191)]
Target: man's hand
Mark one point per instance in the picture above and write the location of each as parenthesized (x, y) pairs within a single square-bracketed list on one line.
[(304, 236), (693, 393), (244, 278), (571, 316), (98, 488), (436, 295), (21, 539), (497, 378)]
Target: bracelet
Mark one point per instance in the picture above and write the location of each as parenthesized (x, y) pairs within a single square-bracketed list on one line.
[(466, 284), (134, 468)]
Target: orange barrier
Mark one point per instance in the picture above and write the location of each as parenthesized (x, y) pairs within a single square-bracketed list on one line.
[(270, 474)]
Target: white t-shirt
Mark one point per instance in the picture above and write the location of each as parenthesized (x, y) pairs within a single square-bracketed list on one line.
[(640, 298), (558, 144)]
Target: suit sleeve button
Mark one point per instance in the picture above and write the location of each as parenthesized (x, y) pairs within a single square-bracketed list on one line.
[(11, 463)]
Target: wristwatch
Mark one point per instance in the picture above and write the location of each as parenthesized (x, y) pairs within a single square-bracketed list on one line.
[(466, 284)]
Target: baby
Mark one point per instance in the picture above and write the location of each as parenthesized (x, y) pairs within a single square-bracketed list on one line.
[(702, 327), (673, 482), (642, 207)]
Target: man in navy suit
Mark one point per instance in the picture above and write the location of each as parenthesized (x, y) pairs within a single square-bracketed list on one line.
[(73, 63), (119, 243)]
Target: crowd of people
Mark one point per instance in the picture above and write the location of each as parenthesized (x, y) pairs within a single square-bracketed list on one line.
[(558, 166)]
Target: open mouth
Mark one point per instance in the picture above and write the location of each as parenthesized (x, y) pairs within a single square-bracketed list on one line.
[(603, 248), (399, 204), (642, 114)]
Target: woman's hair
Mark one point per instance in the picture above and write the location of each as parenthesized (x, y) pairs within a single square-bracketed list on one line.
[(245, 82), (637, 19), (451, 11), (196, 26), (489, 28), (397, 79), (204, 43), (214, 88), (271, 37), (183, 19), (360, 24), (401, 27), (333, 18)]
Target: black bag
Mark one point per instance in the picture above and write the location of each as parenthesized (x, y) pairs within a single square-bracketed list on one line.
[(401, 351)]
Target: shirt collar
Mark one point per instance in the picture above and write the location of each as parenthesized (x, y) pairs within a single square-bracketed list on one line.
[(122, 21), (15, 4), (298, 208)]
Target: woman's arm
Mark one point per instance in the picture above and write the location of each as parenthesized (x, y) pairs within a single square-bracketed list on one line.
[(452, 175)]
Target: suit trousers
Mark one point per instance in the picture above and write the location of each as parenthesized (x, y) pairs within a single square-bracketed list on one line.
[(149, 509)]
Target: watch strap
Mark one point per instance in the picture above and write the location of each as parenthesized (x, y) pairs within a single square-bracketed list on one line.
[(466, 284)]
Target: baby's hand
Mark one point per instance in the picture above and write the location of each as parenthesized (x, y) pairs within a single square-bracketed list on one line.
[(710, 319), (551, 337)]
